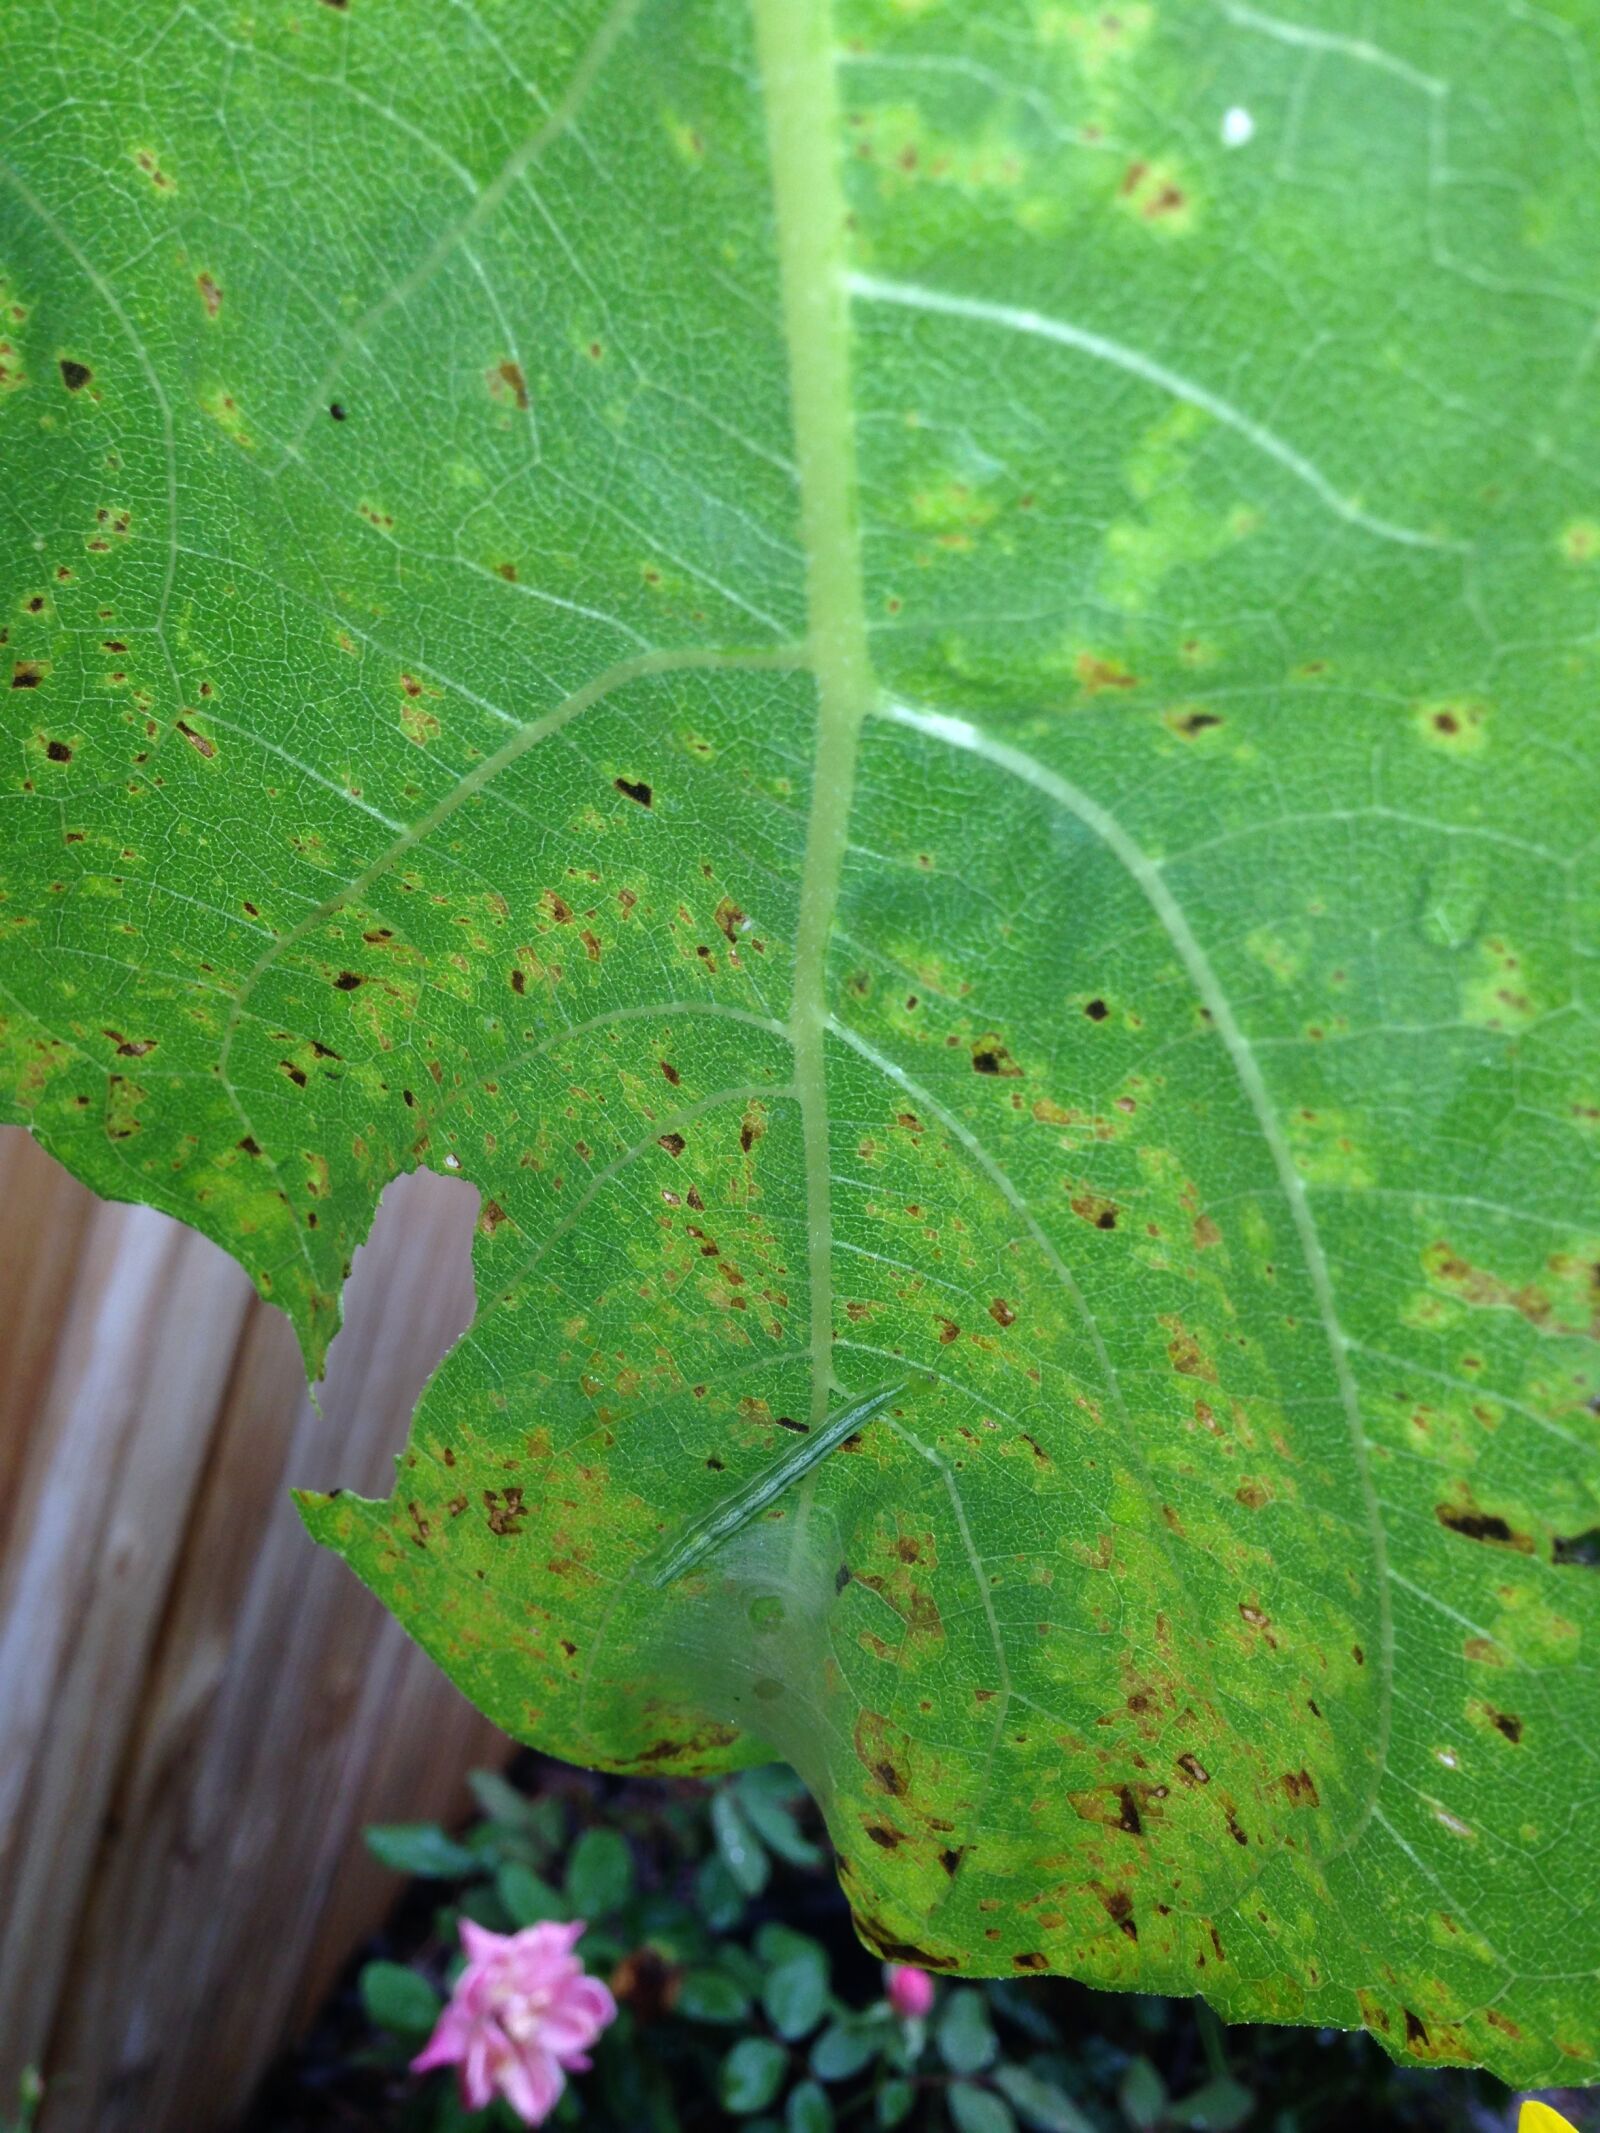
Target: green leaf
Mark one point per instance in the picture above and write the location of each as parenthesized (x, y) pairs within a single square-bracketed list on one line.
[(976, 2110), (920, 681), (599, 1877), (1039, 2103), (711, 1996), (1142, 2095), (773, 1822), (718, 1897), (808, 2109), (397, 1998), (502, 1802), (529, 1899), (752, 2074), (738, 1844), (964, 2033), (796, 1992), (420, 1848), (893, 2103), (843, 2049), (1218, 2107)]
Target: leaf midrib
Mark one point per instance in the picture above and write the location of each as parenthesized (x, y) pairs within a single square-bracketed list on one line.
[(795, 53)]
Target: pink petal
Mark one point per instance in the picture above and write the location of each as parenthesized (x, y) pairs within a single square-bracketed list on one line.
[(480, 1943), (531, 2083), (477, 2072), (447, 2044)]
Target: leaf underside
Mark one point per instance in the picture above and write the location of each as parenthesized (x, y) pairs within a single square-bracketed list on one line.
[(920, 683)]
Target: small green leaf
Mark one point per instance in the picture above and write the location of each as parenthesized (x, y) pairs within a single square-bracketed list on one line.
[(706, 1995), (1015, 2003), (481, 1903), (599, 1874), (397, 1998), (770, 1807), (1143, 2095), (964, 2033), (752, 2075), (745, 1967), (778, 1943), (718, 1897), (527, 1898), (1218, 2107), (808, 2109), (738, 1844), (843, 2049), (501, 1801), (421, 1848), (796, 1996), (976, 2110), (1039, 2103), (893, 2103)]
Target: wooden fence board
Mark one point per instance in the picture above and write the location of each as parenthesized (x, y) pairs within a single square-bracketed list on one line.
[(220, 1707)]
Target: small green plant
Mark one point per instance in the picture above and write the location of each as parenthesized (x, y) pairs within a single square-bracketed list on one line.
[(722, 2006), (30, 2094), (743, 2000)]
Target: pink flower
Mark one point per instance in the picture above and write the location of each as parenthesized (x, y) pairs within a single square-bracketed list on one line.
[(910, 1991), (520, 2019)]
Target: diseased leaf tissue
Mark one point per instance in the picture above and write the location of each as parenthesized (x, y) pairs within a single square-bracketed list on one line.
[(921, 679)]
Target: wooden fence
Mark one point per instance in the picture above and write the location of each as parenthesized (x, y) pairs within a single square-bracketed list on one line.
[(198, 1710)]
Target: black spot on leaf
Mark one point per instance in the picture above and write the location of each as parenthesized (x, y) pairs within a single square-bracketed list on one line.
[(1475, 1525), (990, 1056)]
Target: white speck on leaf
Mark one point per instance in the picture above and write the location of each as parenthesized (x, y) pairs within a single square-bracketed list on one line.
[(1237, 127)]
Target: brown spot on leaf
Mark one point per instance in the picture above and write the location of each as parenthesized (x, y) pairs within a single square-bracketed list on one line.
[(504, 1511), (674, 1143), (990, 1056), (730, 919), (1002, 1313), (635, 789), (1189, 1359), (1096, 674), (510, 380), (75, 376), (1476, 1525)]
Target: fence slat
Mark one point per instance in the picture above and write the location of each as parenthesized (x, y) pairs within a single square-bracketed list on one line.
[(222, 1706)]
